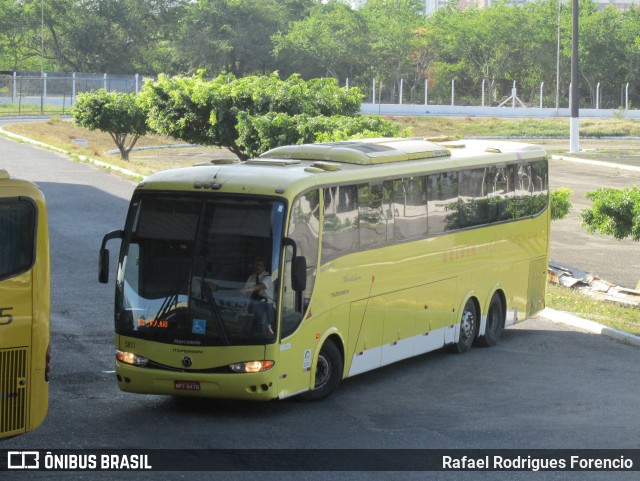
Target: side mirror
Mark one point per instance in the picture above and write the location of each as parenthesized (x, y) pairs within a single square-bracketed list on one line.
[(299, 274), (103, 261), (298, 267), (103, 266)]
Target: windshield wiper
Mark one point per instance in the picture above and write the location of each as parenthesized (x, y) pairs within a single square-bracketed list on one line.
[(215, 312)]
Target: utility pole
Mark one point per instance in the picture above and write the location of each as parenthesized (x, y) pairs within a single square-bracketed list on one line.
[(574, 136)]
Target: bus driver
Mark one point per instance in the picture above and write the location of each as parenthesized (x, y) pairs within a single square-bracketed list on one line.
[(260, 288)]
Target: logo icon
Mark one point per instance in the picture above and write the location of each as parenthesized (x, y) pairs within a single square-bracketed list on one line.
[(23, 460), (186, 361)]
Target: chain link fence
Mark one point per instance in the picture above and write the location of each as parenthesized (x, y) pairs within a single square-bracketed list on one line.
[(54, 93)]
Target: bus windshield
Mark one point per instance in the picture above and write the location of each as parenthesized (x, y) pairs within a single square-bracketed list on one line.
[(200, 271)]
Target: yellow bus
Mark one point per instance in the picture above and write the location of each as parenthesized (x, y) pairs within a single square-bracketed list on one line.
[(24, 306), (285, 274)]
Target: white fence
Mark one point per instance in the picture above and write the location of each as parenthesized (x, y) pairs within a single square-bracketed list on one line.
[(27, 93)]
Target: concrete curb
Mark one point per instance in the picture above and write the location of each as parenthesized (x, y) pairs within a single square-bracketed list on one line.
[(590, 326), (83, 158), (598, 163)]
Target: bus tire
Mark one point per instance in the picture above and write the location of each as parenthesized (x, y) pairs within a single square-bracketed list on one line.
[(468, 327), (495, 323), (328, 373)]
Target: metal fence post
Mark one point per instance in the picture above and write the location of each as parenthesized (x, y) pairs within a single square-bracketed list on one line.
[(401, 88), (73, 87), (14, 91), (541, 89), (137, 83), (20, 98), (598, 96), (453, 91), (626, 97), (43, 92), (105, 82), (373, 99), (482, 103), (426, 92)]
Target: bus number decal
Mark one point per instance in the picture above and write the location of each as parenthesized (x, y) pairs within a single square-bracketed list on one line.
[(5, 317)]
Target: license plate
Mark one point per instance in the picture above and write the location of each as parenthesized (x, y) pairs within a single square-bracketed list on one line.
[(186, 385)]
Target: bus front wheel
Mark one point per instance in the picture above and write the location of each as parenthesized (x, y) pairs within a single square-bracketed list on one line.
[(468, 328), (328, 373)]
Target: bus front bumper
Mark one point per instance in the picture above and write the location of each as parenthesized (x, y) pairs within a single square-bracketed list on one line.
[(261, 386)]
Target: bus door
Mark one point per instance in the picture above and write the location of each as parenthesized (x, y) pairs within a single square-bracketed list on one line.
[(295, 358)]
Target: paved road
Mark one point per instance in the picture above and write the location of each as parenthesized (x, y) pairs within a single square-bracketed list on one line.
[(613, 260), (544, 386)]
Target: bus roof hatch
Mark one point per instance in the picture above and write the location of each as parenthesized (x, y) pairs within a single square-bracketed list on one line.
[(361, 152)]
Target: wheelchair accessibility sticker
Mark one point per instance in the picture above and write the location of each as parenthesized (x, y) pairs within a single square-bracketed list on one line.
[(199, 326)]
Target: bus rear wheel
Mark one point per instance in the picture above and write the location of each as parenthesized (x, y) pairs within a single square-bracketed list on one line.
[(495, 323), (468, 328), (328, 373)]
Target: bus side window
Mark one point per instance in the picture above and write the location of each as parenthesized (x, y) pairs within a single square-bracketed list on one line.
[(372, 215), (340, 227), (540, 180), (523, 190), (17, 230), (473, 198), (410, 207), (500, 188), (304, 229), (442, 201)]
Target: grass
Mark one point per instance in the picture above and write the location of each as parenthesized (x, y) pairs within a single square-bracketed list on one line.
[(27, 109), (614, 315), (493, 126), (62, 133)]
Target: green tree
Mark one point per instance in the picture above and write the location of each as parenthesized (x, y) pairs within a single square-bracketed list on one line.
[(394, 38), (20, 40), (114, 112), (208, 112), (333, 37), (114, 36), (235, 35), (615, 212), (560, 202), (482, 44), (602, 48), (260, 133)]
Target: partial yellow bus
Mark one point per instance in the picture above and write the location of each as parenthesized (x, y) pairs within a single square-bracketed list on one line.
[(24, 306), (286, 274)]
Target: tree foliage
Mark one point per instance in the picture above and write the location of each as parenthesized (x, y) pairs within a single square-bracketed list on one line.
[(260, 133), (114, 112), (389, 40), (560, 202), (615, 212), (236, 112)]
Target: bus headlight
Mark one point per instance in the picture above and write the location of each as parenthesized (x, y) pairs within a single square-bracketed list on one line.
[(251, 366), (131, 358)]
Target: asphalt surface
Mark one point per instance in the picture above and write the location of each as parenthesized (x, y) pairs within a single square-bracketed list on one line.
[(616, 261)]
